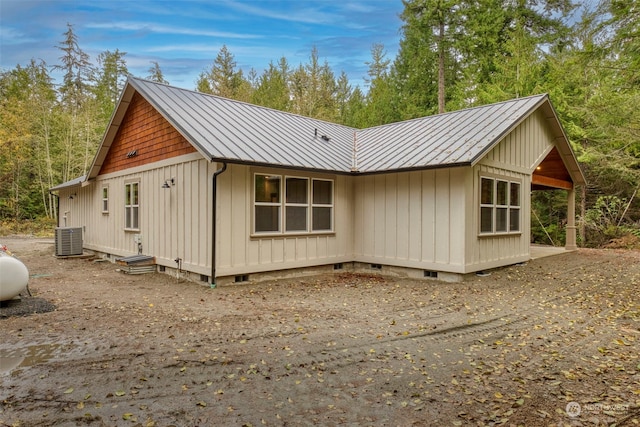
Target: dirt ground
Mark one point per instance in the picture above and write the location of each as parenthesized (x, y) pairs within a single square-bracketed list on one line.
[(553, 342)]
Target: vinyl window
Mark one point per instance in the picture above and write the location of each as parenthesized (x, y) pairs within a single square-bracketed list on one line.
[(105, 199), (499, 206), (322, 210), (268, 204), (131, 206), (292, 204)]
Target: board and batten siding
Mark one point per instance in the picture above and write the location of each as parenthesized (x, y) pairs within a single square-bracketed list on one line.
[(412, 219), (241, 253), (173, 222), (176, 222), (515, 157)]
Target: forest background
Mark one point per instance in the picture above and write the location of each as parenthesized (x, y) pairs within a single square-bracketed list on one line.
[(453, 54)]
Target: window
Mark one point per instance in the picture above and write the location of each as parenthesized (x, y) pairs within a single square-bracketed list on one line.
[(105, 199), (267, 204), (322, 205), (297, 204), (499, 206), (131, 206), (289, 204)]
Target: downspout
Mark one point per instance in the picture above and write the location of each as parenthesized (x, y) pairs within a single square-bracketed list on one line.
[(213, 223)]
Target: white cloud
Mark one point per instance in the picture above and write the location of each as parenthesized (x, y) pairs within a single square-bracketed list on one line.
[(307, 15), (166, 29)]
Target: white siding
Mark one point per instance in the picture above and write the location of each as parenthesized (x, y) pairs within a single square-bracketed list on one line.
[(515, 157), (412, 219), (423, 219), (240, 253), (176, 222)]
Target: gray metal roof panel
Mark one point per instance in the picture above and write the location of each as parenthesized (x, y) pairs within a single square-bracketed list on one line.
[(237, 131), (76, 182), (459, 137), (226, 130)]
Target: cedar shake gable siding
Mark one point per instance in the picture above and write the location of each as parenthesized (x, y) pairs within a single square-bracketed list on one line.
[(145, 131)]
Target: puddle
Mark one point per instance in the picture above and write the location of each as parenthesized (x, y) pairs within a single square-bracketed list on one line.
[(26, 356)]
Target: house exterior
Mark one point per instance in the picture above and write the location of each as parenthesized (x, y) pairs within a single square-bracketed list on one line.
[(229, 191)]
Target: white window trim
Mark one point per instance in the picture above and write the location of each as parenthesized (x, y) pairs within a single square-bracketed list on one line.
[(105, 200), (272, 204), (299, 205), (323, 205), (494, 206), (128, 185), (282, 232)]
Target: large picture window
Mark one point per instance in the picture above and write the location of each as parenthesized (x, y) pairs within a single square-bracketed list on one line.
[(291, 204), (131, 206), (499, 206)]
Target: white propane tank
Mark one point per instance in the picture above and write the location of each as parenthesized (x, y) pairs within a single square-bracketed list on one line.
[(14, 276)]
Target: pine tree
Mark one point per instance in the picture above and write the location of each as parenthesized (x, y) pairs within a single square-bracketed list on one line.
[(156, 74), (272, 89), (223, 79)]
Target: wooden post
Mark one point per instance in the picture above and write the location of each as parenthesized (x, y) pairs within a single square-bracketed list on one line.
[(571, 221)]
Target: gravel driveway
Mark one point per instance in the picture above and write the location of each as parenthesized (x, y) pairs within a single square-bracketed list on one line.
[(553, 342)]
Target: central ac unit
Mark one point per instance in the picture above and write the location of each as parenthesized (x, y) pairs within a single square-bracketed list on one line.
[(68, 241)]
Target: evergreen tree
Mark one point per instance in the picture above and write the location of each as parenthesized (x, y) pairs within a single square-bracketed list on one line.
[(313, 88), (156, 74), (223, 79), (75, 95), (426, 68), (382, 98), (272, 89), (108, 79), (27, 141), (76, 68)]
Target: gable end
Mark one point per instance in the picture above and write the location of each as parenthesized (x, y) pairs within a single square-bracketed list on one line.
[(143, 137)]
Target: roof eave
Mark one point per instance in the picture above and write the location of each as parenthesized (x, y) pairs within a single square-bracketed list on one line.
[(565, 149), (571, 162), (481, 154), (413, 168)]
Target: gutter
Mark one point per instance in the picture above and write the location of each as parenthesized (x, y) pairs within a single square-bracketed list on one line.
[(214, 189)]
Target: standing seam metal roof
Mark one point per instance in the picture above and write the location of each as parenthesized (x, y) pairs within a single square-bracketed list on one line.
[(227, 130), (454, 138), (236, 131)]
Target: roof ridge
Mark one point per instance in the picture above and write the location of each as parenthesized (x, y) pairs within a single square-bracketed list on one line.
[(446, 113), (131, 77)]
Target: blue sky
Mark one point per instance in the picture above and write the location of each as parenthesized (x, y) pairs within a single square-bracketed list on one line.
[(184, 37)]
